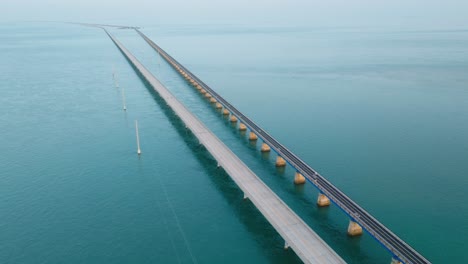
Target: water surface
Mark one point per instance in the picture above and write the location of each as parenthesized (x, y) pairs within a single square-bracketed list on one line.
[(380, 112)]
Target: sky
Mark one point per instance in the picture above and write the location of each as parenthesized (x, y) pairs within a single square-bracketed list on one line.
[(334, 13)]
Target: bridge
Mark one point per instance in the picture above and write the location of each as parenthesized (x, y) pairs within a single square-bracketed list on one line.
[(297, 234), (359, 218), (103, 25)]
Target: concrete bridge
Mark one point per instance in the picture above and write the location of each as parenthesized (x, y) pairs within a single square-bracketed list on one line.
[(296, 233), (359, 218)]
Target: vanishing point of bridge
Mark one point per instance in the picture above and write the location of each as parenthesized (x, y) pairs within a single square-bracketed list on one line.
[(359, 218)]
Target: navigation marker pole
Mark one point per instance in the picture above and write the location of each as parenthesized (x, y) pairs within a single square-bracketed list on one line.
[(123, 99), (114, 77), (137, 137)]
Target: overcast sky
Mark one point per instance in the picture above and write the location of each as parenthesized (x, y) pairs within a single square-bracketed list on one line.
[(411, 13)]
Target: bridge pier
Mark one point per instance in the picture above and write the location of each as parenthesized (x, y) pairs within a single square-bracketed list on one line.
[(322, 200), (208, 96), (203, 91), (242, 127), (225, 112), (299, 178), (354, 229), (218, 106), (233, 119), (265, 148), (280, 162), (213, 100), (286, 245), (252, 136), (198, 87), (395, 261)]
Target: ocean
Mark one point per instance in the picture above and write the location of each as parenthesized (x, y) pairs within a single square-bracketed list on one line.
[(380, 112)]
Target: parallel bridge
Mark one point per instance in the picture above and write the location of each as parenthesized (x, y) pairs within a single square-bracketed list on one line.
[(296, 233), (398, 248)]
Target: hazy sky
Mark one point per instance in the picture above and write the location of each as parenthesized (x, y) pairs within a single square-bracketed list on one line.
[(411, 13)]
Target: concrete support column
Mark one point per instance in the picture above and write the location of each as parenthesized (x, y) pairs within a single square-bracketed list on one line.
[(203, 91), (242, 127), (280, 162), (208, 96), (252, 136), (286, 245), (354, 229), (212, 100), (395, 261), (198, 87), (299, 178), (323, 200), (218, 106), (233, 119), (265, 148), (225, 112)]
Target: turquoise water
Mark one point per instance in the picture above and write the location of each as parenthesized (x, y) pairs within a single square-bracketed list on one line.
[(382, 113)]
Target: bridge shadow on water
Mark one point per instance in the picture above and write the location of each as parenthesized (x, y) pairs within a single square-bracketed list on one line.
[(264, 234)]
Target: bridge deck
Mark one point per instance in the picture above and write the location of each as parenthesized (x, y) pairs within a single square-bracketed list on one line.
[(299, 236), (383, 235)]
